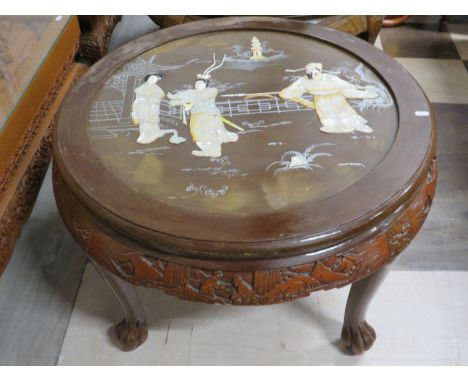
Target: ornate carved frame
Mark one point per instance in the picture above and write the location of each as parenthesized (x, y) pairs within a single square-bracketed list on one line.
[(260, 286), (37, 137), (95, 34)]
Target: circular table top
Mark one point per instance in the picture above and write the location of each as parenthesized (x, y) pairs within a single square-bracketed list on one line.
[(284, 184)]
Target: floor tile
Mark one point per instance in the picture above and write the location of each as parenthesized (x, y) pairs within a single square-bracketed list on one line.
[(443, 241), (415, 320), (39, 286), (418, 41), (459, 34), (443, 81), (424, 19)]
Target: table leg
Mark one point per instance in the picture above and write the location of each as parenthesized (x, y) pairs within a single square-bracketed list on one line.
[(132, 331), (357, 334)]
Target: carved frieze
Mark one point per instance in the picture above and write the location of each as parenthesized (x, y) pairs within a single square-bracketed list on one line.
[(258, 287)]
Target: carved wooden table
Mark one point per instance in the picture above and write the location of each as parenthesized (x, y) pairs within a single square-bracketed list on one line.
[(285, 210)]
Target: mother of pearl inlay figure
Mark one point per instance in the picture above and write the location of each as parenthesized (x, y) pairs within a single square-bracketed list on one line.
[(206, 122), (330, 93), (145, 111)]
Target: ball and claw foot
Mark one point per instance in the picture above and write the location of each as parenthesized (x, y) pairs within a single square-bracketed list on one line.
[(358, 338), (131, 334), (357, 335)]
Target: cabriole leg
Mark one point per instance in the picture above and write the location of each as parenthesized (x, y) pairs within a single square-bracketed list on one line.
[(132, 331), (357, 334)]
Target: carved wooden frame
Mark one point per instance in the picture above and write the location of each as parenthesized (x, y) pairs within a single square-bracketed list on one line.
[(21, 205), (22, 202), (257, 287), (95, 36)]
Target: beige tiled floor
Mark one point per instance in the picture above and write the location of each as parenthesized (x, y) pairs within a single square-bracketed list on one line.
[(418, 318), (443, 80), (459, 34)]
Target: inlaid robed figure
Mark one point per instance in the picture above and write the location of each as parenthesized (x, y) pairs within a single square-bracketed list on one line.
[(146, 109), (330, 93), (206, 122)]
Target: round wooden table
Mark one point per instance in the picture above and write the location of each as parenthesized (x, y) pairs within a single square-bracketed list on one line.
[(284, 210)]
